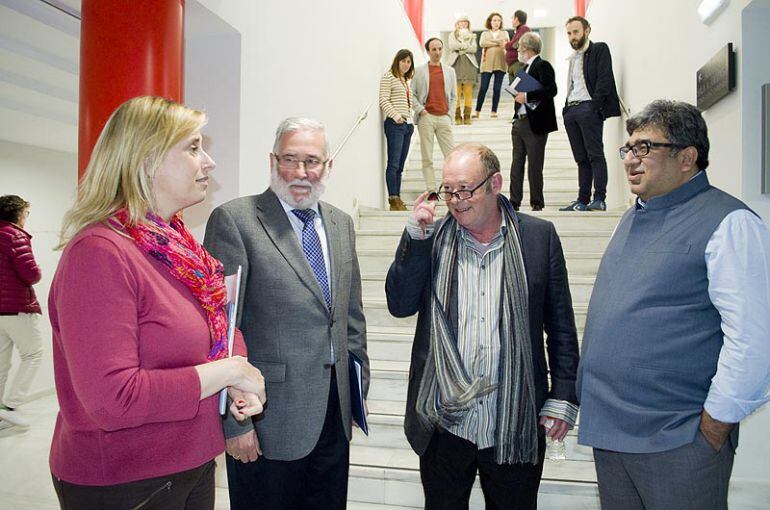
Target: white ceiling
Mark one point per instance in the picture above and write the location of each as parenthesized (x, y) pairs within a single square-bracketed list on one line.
[(39, 50)]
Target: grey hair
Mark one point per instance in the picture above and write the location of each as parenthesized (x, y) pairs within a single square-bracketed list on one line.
[(293, 124), (531, 41), (489, 160), (681, 123)]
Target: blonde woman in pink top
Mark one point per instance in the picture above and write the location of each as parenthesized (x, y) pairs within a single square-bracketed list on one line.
[(139, 327)]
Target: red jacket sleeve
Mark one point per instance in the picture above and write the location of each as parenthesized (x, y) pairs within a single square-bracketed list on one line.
[(24, 260)]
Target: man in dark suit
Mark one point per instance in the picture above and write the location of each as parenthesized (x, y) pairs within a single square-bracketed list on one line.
[(486, 282), (534, 117), (300, 314), (591, 98)]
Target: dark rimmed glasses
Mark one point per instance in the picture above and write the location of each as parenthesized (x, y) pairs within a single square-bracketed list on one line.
[(642, 148), (293, 162), (463, 194)]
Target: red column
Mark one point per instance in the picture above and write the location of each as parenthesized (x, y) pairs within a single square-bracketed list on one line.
[(413, 9), (580, 7), (128, 48)]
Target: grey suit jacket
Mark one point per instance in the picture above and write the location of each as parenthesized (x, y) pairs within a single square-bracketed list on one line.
[(284, 319)]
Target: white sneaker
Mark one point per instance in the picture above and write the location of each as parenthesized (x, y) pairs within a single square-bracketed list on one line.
[(5, 425), (14, 417)]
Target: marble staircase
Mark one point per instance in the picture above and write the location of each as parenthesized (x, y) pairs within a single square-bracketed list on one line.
[(384, 471)]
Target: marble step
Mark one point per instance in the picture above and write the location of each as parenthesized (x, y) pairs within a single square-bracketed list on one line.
[(557, 181), (392, 349), (374, 488), (551, 165), (373, 285), (378, 316), (554, 198), (495, 134), (387, 431), (501, 149), (578, 264), (370, 218), (588, 240)]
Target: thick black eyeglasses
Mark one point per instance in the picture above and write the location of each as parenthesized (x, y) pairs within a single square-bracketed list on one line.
[(463, 194), (642, 147), (292, 162)]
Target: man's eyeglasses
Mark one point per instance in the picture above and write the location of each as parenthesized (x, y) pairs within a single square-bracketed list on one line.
[(463, 194), (642, 147), (293, 162)]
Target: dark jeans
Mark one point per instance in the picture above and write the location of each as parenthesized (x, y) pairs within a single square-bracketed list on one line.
[(318, 481), (584, 128), (448, 469), (397, 137), (485, 77), (530, 146), (188, 490)]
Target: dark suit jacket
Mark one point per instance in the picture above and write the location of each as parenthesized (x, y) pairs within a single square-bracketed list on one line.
[(542, 119), (408, 289), (600, 81), (284, 319)]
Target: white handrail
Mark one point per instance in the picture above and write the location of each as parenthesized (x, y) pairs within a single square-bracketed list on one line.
[(352, 129), (623, 107)]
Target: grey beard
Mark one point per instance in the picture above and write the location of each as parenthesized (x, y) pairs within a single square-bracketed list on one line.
[(282, 189)]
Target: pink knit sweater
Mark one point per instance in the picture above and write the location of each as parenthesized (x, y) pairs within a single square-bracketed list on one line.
[(126, 338)]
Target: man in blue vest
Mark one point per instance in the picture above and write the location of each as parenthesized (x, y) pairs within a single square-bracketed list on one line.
[(675, 350)]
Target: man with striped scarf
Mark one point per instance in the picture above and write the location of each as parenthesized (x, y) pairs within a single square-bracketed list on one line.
[(487, 282)]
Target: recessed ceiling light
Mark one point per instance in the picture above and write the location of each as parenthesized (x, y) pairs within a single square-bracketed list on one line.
[(708, 9)]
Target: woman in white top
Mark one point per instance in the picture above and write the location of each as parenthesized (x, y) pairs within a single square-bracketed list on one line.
[(462, 57), (493, 41), (396, 104)]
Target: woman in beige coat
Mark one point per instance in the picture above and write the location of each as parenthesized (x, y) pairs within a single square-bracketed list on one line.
[(462, 57), (493, 63)]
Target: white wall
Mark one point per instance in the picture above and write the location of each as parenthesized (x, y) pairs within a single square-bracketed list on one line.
[(657, 47), (323, 60), (45, 178)]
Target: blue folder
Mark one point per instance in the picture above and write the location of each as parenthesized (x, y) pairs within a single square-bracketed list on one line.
[(527, 83), (357, 407)]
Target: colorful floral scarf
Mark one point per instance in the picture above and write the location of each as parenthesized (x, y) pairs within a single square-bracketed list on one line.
[(189, 262)]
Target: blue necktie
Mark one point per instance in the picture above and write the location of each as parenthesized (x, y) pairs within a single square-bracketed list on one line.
[(311, 245)]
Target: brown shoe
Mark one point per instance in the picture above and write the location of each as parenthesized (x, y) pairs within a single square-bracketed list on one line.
[(401, 206), (476, 115), (458, 117), (392, 202), (467, 116), (493, 115)]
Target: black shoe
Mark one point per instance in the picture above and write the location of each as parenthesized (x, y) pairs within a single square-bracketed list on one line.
[(597, 205), (577, 205), (537, 207)]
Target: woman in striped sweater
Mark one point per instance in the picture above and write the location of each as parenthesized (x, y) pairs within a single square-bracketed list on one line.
[(396, 104)]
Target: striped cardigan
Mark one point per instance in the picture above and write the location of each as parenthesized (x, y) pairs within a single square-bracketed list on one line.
[(393, 97)]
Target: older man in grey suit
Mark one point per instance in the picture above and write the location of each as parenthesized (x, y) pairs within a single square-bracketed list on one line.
[(300, 314)]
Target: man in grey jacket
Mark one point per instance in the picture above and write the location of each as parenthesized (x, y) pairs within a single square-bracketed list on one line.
[(434, 97), (300, 314)]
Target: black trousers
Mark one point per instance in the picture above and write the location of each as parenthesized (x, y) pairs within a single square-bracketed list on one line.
[(584, 129), (448, 469), (527, 146), (318, 481), (188, 490)]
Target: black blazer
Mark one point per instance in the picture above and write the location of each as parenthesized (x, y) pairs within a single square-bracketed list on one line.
[(408, 288), (600, 81), (542, 119)]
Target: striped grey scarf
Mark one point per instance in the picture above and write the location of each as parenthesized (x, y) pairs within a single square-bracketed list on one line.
[(446, 390)]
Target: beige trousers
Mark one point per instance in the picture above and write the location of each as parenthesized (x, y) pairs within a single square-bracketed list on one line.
[(24, 332), (429, 126)]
